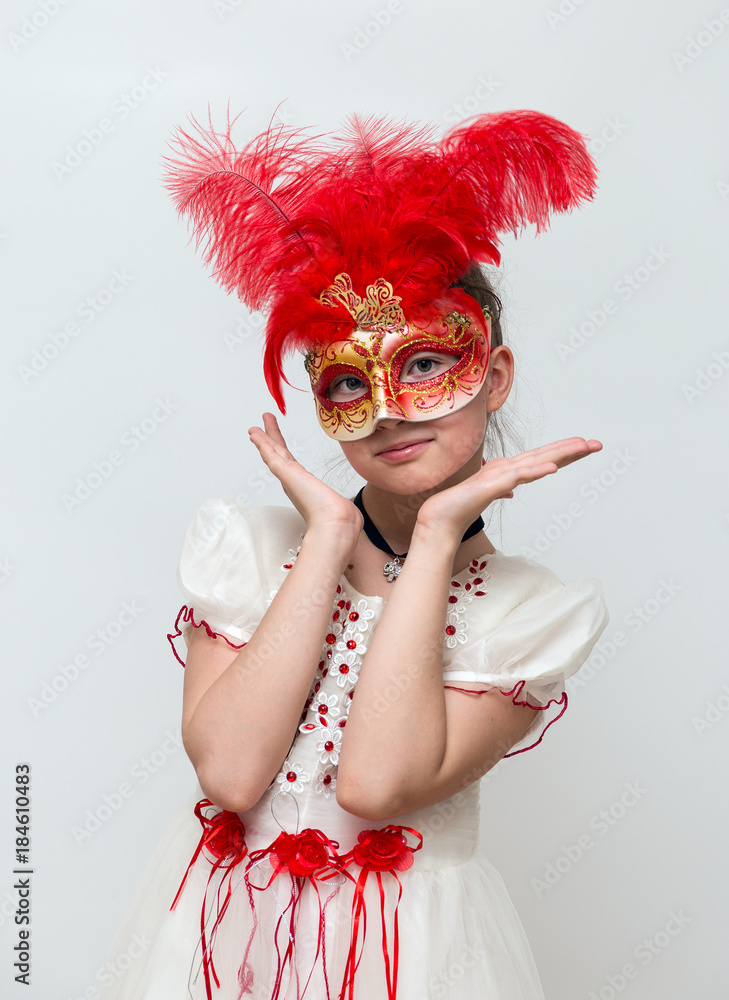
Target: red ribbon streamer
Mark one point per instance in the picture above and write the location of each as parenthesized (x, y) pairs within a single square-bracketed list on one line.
[(378, 851), (223, 838), (309, 856)]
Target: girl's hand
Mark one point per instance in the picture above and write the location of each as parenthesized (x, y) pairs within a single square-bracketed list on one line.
[(458, 506), (319, 505)]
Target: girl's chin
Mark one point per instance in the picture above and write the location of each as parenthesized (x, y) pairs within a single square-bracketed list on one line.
[(408, 479)]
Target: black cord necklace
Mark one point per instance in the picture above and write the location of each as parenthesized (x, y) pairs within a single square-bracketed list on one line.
[(392, 569)]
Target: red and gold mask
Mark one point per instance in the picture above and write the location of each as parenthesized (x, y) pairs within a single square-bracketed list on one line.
[(416, 368)]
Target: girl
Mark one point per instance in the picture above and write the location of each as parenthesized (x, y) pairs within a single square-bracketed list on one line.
[(355, 666)]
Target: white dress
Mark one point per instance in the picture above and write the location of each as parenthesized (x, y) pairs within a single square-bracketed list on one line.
[(510, 624)]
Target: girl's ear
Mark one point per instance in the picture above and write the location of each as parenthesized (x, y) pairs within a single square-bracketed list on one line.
[(500, 377)]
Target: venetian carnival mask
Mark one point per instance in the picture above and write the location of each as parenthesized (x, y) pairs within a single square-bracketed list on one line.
[(389, 366), (385, 210)]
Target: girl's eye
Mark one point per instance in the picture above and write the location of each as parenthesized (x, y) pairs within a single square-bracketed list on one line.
[(341, 390), (426, 366)]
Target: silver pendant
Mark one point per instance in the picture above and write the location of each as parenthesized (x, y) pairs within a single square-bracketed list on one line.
[(392, 569)]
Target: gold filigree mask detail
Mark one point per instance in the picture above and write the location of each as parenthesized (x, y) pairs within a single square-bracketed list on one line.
[(380, 308), (374, 362)]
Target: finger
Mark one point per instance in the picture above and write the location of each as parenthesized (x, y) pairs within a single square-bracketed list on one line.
[(591, 448), (534, 471), (502, 485), (562, 452), (273, 430), (269, 449), (259, 437)]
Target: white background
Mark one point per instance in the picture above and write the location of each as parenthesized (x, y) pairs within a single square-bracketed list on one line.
[(648, 83)]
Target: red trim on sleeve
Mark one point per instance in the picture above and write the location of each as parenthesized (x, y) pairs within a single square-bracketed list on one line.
[(188, 615), (515, 692)]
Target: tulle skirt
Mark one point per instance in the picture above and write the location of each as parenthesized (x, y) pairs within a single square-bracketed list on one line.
[(458, 934)]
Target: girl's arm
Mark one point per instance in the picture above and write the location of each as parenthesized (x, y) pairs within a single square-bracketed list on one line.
[(421, 743), (409, 742), (241, 710)]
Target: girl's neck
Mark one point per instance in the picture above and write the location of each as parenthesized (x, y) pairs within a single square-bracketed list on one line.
[(395, 514)]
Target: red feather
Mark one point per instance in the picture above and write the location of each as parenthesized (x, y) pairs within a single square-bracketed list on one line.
[(240, 203), (282, 217)]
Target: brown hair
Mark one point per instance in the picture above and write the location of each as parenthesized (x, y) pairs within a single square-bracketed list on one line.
[(476, 283)]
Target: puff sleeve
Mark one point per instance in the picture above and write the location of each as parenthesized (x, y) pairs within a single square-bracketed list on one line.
[(220, 574), (534, 649)]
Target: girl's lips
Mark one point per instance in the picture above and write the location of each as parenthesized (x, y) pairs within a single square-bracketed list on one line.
[(405, 450)]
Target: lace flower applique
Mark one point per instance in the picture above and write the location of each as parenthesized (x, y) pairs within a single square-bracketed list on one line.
[(461, 595), (326, 781), (292, 776), (328, 746), (291, 558), (325, 713), (359, 616)]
